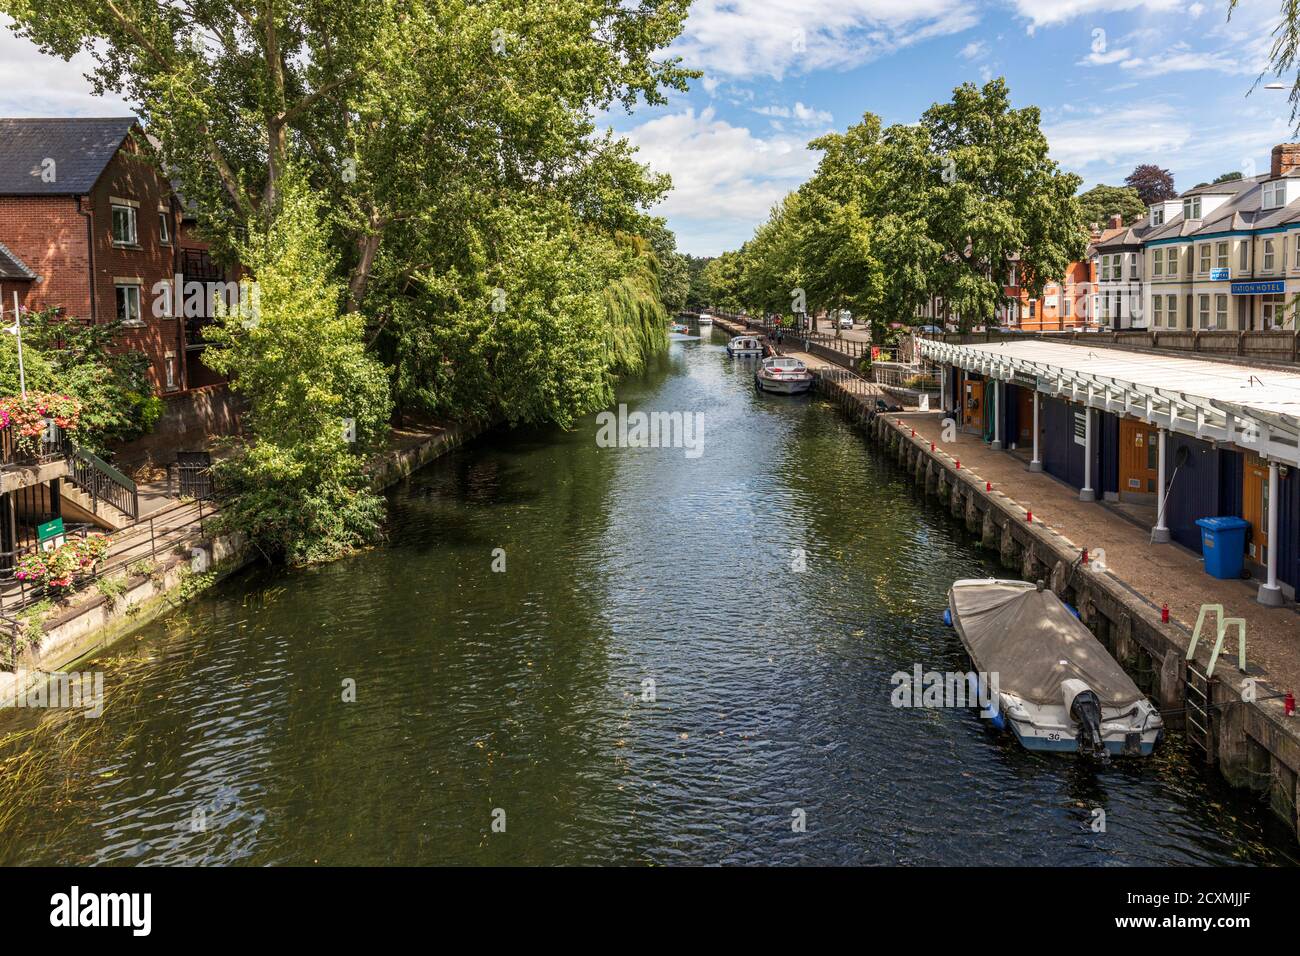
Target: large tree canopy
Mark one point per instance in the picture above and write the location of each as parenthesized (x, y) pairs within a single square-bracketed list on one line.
[(1100, 202), (892, 217)]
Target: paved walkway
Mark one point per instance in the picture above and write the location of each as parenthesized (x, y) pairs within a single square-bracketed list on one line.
[(1165, 573)]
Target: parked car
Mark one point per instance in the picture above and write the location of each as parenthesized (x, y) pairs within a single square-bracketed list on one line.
[(846, 319)]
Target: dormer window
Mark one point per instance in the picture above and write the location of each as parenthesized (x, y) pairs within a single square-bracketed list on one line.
[(1192, 208), (1157, 215), (1274, 196)]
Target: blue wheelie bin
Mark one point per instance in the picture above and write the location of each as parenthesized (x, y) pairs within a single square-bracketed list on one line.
[(1223, 542)]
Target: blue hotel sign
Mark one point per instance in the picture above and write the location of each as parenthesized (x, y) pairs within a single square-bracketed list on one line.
[(1258, 288), (1220, 275)]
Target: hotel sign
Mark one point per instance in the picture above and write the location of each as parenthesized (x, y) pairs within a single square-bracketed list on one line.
[(1258, 288), (1220, 275)]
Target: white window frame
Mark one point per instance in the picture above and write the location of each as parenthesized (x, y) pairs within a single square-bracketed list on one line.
[(1192, 208), (132, 220), (1157, 262), (1157, 215), (1269, 257), (1203, 259), (1221, 255), (1172, 302), (1274, 195), (164, 227), (1203, 310), (1220, 311), (128, 287), (1157, 310)]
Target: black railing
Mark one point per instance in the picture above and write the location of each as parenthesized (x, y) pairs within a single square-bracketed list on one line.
[(194, 474), (35, 450), (104, 483)]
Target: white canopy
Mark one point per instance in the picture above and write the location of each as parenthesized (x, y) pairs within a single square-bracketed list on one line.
[(1256, 407)]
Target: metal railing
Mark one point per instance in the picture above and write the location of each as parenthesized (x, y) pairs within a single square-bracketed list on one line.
[(50, 445), (103, 482)]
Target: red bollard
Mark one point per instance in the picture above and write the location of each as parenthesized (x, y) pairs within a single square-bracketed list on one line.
[(1083, 556), (913, 432), (959, 464), (1164, 614), (931, 446), (988, 486), (1290, 704)]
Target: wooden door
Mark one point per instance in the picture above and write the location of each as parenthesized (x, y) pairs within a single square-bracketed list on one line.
[(1139, 456), (973, 405), (1254, 507), (1025, 417)]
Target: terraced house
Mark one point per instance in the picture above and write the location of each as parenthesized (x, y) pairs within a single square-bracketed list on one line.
[(1227, 256)]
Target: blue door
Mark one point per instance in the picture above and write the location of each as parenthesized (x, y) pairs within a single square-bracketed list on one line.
[(1193, 488)]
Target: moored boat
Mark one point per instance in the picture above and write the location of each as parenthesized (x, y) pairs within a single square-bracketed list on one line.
[(1046, 674), (783, 375), (745, 345), (705, 319), (679, 328)]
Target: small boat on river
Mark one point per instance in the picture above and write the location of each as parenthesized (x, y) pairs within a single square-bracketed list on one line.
[(705, 319), (783, 375), (1045, 674), (679, 328), (745, 345)]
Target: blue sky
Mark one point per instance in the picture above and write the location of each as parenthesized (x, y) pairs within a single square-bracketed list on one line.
[(1119, 82)]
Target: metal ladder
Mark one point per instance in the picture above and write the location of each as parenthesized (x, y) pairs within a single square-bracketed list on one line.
[(1198, 699)]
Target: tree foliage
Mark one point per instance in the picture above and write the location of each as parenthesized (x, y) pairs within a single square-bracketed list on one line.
[(1100, 202), (1152, 183), (894, 216)]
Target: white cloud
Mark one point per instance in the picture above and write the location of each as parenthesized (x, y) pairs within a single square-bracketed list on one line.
[(748, 38), (725, 178), (973, 50), (1114, 137), (1044, 13), (1106, 57), (35, 84)]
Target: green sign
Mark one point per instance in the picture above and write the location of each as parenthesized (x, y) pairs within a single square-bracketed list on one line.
[(51, 529)]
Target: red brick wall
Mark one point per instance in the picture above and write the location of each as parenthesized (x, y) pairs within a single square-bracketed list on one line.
[(49, 235), (131, 177)]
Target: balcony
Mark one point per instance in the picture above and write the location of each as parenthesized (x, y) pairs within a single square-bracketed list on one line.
[(198, 267)]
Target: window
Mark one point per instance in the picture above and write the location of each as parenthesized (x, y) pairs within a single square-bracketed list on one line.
[(1157, 215), (1065, 305), (124, 225), (1295, 263), (1274, 195), (1172, 302), (128, 305), (1158, 262), (169, 367), (1192, 208), (1204, 311), (164, 228), (1245, 255), (1268, 255), (1220, 311), (1204, 253), (1221, 255), (1157, 310), (1171, 261), (1272, 311), (1133, 265)]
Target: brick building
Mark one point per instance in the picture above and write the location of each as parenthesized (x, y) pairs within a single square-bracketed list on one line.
[(87, 224)]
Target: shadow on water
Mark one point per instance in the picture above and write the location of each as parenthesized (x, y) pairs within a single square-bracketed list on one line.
[(648, 681)]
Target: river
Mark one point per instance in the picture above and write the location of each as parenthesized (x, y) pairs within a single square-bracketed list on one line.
[(508, 716)]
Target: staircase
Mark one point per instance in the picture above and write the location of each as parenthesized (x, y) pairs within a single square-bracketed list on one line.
[(103, 494)]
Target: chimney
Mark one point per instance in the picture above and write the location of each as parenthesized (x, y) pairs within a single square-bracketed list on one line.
[(1286, 157), (1116, 220)]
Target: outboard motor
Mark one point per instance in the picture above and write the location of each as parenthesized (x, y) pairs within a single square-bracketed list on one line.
[(1085, 710)]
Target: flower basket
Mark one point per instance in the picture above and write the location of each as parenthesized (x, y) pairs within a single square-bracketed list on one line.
[(58, 568), (28, 414)]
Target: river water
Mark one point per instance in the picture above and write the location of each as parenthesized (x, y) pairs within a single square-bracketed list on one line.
[(520, 698)]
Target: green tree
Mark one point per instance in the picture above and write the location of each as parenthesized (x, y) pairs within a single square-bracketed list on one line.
[(318, 404), (1100, 202)]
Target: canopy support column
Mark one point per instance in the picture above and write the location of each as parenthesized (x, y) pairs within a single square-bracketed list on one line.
[(1086, 493), (997, 414), (1036, 463), (1160, 533), (1269, 593)]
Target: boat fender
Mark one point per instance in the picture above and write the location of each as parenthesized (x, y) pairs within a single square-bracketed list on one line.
[(995, 717), (947, 616)]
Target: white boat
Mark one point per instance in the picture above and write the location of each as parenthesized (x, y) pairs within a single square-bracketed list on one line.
[(786, 376), (745, 345), (1047, 676), (705, 319)]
